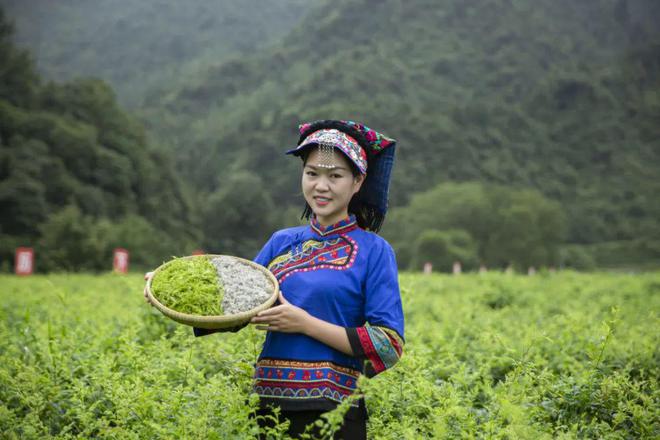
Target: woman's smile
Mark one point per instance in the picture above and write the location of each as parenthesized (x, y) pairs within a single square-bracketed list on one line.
[(322, 201)]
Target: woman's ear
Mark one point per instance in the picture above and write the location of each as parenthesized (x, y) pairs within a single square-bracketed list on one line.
[(357, 182)]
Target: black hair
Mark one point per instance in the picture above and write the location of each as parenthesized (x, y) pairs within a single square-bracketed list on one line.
[(367, 217)]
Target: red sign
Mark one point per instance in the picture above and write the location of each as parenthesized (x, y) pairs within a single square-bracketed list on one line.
[(120, 260), (198, 252), (24, 261)]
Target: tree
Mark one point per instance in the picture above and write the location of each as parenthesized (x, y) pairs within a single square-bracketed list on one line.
[(77, 178), (507, 225), (443, 248), (239, 216), (526, 229), (64, 244)]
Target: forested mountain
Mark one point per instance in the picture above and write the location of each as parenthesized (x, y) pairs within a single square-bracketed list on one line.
[(539, 114), (76, 176), (555, 95), (141, 47)]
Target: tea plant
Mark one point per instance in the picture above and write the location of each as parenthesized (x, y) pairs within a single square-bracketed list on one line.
[(563, 355)]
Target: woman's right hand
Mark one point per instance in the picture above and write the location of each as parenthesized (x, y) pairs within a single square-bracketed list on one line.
[(147, 277)]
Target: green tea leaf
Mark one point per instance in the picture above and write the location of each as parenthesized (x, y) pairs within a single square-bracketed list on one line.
[(189, 285)]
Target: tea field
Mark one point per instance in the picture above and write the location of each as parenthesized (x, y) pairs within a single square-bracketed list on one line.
[(552, 356)]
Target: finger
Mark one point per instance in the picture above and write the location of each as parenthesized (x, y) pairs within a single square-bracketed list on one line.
[(146, 296), (272, 311), (265, 328), (265, 319), (261, 319), (148, 275)]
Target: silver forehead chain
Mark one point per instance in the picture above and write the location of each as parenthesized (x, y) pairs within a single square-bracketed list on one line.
[(326, 155)]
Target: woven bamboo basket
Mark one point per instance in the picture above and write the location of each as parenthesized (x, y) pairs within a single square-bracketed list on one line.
[(216, 321)]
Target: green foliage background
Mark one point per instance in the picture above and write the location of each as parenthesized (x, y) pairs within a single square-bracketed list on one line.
[(143, 47), (554, 356), (554, 102), (491, 225), (77, 177)]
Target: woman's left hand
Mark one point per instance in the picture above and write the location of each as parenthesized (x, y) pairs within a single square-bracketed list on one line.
[(285, 318)]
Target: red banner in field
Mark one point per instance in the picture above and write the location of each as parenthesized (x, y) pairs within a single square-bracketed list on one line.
[(198, 252), (24, 261), (120, 260)]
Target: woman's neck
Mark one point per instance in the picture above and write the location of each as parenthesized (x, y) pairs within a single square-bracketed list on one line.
[(330, 220)]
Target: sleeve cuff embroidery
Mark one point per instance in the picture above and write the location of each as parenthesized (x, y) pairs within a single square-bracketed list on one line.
[(379, 345)]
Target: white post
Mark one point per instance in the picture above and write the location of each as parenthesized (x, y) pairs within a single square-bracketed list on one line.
[(428, 268)]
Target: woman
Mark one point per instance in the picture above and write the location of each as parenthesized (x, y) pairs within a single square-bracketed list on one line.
[(339, 312)]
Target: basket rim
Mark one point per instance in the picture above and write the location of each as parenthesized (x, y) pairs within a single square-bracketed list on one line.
[(214, 321)]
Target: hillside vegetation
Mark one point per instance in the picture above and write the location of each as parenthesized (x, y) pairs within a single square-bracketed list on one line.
[(551, 106), (556, 96), (141, 47), (76, 175)]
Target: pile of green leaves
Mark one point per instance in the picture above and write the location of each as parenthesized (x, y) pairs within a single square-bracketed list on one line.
[(189, 285)]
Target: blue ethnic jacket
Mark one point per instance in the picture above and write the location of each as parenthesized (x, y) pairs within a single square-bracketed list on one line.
[(346, 276)]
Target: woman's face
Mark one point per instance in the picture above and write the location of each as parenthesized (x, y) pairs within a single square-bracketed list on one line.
[(329, 190)]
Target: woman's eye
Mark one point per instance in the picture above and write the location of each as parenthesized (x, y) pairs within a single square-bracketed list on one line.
[(310, 173), (336, 176)]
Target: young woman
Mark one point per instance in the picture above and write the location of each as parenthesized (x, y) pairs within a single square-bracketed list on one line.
[(339, 313)]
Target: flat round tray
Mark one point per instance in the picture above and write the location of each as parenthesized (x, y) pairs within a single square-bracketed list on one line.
[(216, 321)]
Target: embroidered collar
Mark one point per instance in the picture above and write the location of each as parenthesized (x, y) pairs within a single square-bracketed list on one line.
[(342, 226)]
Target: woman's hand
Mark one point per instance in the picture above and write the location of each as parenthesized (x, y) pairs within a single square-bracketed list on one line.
[(285, 318), (288, 318), (147, 276)]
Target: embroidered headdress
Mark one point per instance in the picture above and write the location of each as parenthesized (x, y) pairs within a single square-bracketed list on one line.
[(370, 151)]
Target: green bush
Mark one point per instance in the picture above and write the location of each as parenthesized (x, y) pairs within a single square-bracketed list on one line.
[(443, 248), (238, 217), (577, 257), (626, 253), (65, 242), (562, 356), (71, 241), (506, 225)]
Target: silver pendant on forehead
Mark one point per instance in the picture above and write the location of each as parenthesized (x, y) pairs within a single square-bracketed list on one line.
[(326, 156)]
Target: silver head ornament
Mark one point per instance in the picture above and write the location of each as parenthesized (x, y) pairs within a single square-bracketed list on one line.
[(326, 158)]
